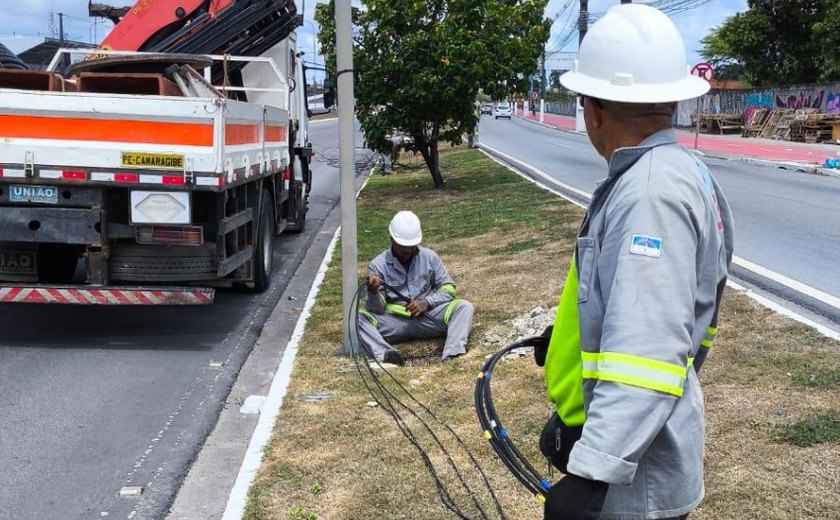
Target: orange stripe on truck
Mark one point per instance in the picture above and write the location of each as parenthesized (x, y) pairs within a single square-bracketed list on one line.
[(117, 130), (275, 133), (241, 134)]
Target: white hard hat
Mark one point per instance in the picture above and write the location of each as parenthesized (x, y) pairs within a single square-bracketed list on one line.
[(633, 54), (405, 229)]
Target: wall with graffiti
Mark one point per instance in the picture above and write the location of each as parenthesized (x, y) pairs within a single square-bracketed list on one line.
[(824, 97)]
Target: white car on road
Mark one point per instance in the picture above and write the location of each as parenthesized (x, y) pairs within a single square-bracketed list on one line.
[(502, 110)]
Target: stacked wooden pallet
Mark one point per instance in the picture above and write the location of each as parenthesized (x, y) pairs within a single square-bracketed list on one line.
[(815, 127), (754, 119), (777, 124), (721, 123)]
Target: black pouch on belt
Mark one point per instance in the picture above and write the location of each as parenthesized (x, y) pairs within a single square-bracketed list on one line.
[(557, 440)]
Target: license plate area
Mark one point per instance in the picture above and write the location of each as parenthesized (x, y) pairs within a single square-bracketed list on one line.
[(22, 265), (33, 194)]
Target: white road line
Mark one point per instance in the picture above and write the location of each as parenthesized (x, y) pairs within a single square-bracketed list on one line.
[(540, 173), (268, 414), (781, 309), (790, 283)]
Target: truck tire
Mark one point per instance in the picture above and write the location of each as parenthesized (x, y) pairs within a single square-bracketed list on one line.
[(296, 213), (297, 219), (264, 252)]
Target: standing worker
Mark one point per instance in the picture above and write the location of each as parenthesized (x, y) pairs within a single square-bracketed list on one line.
[(411, 296), (639, 307)]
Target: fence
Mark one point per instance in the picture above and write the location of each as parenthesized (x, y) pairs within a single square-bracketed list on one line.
[(823, 96)]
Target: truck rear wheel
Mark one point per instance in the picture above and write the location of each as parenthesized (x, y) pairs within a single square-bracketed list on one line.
[(264, 252), (297, 203), (297, 219)]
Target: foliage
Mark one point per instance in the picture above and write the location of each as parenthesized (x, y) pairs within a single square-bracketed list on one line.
[(420, 65), (778, 42)]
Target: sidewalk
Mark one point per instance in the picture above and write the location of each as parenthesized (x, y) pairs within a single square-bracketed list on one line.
[(728, 145)]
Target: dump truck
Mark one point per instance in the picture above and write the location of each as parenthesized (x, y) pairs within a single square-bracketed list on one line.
[(162, 165)]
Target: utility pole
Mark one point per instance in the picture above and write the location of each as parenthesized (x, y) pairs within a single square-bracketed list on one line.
[(347, 152), (542, 76), (583, 25)]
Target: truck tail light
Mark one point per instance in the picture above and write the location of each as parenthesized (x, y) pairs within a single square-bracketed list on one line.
[(182, 235)]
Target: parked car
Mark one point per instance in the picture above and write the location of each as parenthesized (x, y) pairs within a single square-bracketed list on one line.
[(486, 109), (502, 110)]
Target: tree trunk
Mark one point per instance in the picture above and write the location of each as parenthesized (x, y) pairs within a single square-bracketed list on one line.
[(428, 148)]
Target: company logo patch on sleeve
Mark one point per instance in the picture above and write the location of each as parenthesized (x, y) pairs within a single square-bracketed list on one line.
[(646, 246)]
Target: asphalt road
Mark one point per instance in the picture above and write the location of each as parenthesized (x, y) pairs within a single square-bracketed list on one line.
[(786, 221), (96, 398)]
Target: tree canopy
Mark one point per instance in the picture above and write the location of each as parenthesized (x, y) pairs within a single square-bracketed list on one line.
[(420, 64), (778, 42)]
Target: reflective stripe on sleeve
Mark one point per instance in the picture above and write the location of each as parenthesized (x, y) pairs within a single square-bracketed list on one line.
[(448, 288), (635, 371), (450, 308), (709, 338), (398, 310)]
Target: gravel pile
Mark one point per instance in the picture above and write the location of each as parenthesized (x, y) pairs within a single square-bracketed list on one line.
[(532, 323)]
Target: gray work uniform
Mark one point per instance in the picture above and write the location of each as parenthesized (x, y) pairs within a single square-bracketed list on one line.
[(653, 248), (385, 320)]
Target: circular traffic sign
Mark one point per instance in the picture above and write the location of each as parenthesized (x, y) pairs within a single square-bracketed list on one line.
[(704, 70)]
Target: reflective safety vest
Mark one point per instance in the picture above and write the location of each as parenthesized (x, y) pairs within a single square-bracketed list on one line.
[(563, 367)]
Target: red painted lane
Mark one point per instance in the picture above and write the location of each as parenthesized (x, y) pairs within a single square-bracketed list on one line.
[(732, 144)]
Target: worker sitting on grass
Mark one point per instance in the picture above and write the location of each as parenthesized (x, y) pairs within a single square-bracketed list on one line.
[(411, 296)]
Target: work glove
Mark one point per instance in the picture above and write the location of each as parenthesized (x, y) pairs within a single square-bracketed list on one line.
[(540, 344), (575, 498), (557, 441)]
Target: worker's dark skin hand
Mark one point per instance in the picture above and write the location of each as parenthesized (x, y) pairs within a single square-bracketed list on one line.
[(418, 307), (373, 284), (541, 345)]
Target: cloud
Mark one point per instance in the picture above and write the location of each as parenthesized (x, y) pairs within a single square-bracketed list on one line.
[(32, 18), (693, 24)]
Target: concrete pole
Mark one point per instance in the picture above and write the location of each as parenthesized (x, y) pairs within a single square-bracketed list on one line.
[(347, 152), (543, 86), (542, 111), (583, 25)]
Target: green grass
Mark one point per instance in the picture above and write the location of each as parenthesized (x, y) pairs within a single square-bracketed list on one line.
[(819, 429), (822, 378), (517, 247)]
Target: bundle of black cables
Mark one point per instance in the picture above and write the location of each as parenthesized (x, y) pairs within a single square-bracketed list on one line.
[(497, 435), (387, 394)]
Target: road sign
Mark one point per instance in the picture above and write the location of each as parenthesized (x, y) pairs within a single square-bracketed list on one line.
[(704, 70)]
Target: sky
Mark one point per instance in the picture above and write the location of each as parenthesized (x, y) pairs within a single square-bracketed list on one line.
[(32, 18)]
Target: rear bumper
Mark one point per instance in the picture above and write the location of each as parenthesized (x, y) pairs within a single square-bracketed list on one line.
[(51, 225), (86, 295)]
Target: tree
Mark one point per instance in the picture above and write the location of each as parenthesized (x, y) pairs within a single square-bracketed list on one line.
[(776, 42), (420, 64)]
